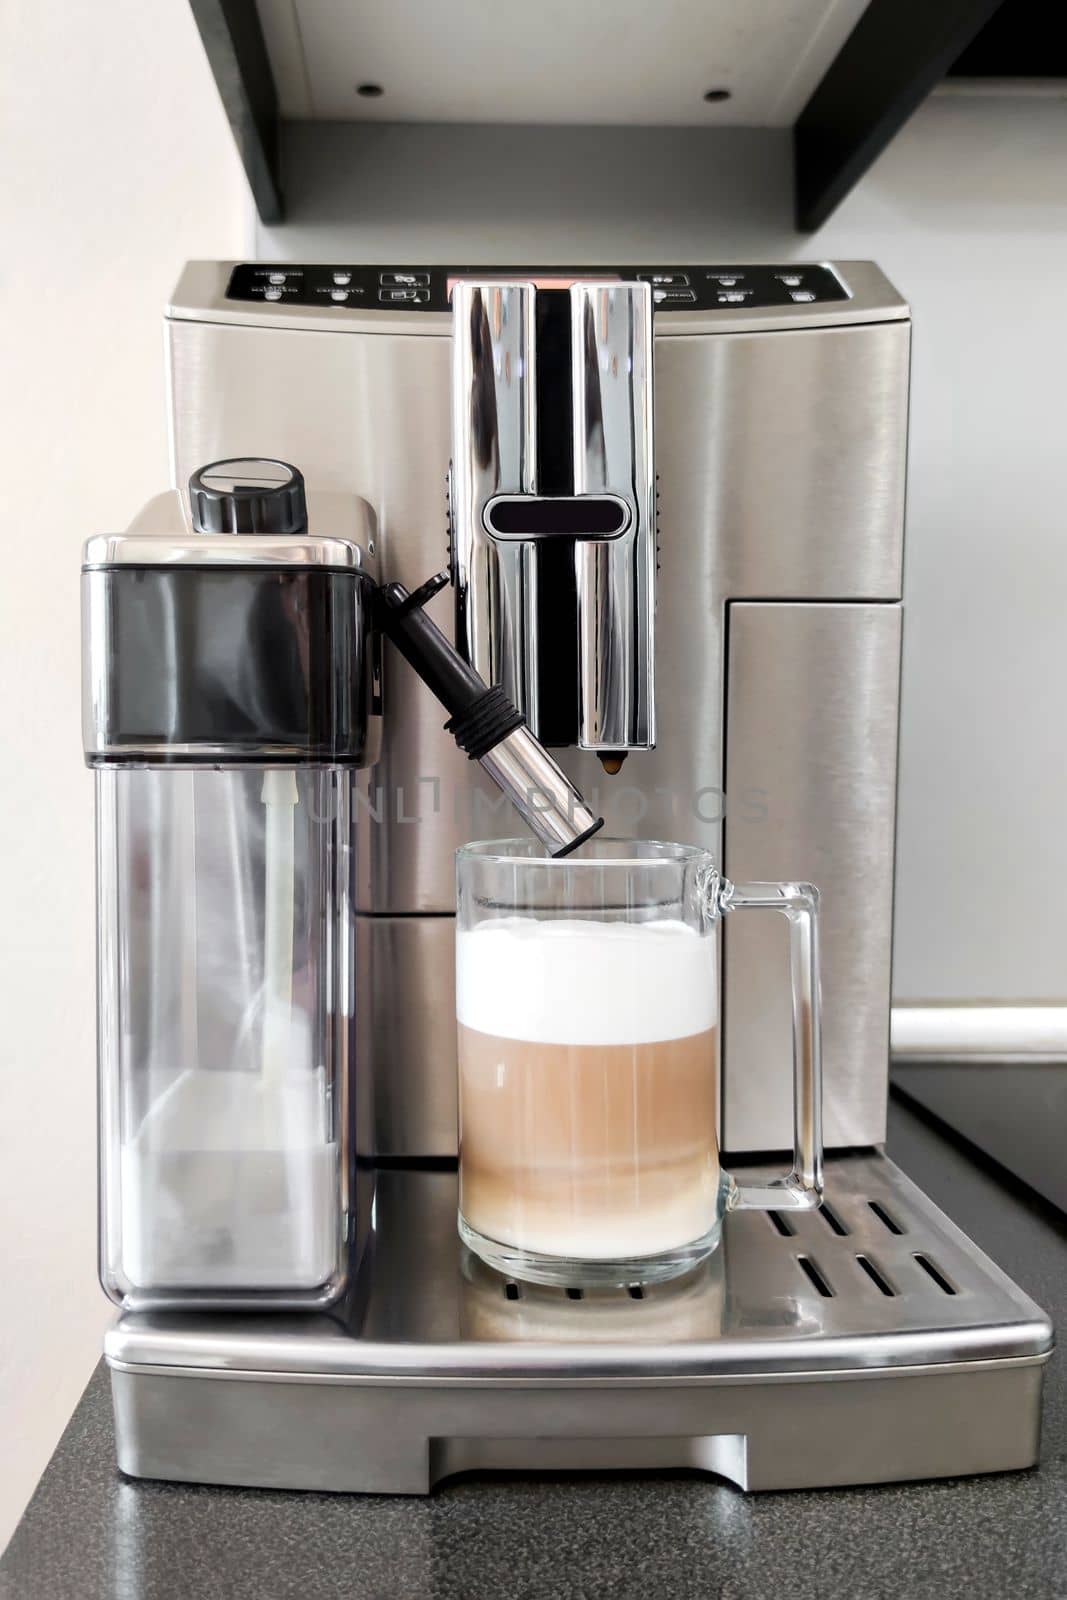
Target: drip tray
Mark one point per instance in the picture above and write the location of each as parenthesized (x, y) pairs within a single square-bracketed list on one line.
[(865, 1343)]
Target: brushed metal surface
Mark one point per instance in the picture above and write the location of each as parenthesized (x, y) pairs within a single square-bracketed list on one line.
[(406, 1028), (812, 726), (744, 1350), (783, 455), (363, 1438), (780, 448)]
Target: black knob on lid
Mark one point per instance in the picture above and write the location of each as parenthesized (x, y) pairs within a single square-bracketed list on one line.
[(248, 496)]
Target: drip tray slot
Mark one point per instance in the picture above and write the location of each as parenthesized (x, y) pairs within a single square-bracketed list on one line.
[(870, 1343)]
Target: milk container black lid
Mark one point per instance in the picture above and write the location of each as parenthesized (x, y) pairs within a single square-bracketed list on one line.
[(250, 496), (242, 640)]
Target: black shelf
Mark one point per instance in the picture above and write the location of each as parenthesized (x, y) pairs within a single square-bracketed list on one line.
[(897, 52)]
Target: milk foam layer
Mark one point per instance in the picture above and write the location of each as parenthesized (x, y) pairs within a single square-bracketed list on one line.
[(556, 981)]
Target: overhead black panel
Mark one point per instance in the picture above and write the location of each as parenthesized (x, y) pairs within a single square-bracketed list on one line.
[(897, 52), (1023, 39), (237, 54)]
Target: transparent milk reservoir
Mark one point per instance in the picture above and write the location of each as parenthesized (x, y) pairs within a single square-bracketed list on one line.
[(228, 700)]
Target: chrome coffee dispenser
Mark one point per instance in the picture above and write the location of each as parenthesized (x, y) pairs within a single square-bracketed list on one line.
[(670, 502)]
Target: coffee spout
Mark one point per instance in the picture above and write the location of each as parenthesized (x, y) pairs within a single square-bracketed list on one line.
[(485, 724)]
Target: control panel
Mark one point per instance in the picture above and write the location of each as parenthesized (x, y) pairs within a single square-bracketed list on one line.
[(429, 288)]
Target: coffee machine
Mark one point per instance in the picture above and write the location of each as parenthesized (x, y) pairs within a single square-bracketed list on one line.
[(668, 501)]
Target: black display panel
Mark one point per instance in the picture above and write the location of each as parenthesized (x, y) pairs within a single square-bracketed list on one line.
[(706, 288)]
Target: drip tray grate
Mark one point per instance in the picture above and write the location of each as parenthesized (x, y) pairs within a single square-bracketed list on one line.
[(866, 1342)]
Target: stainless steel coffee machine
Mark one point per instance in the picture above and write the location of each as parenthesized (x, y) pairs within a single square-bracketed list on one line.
[(756, 701), (670, 502)]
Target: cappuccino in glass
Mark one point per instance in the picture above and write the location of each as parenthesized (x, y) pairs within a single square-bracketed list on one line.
[(587, 1059)]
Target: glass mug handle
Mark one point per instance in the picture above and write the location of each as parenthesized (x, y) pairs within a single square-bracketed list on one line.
[(802, 1189)]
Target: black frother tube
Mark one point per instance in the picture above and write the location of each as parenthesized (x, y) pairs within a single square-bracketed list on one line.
[(421, 642), (479, 717), (485, 724)]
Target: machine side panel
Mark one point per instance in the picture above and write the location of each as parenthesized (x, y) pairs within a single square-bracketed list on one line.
[(811, 732), (783, 454)]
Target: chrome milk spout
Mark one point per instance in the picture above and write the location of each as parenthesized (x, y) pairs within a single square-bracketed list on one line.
[(485, 724)]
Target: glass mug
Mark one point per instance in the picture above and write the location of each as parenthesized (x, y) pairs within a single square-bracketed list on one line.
[(587, 1005)]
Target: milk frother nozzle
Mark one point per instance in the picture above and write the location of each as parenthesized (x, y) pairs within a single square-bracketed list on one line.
[(485, 724)]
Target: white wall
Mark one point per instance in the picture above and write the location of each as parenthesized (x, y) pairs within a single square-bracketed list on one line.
[(115, 164), (967, 213)]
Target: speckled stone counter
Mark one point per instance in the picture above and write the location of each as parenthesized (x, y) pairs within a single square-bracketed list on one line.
[(89, 1533)]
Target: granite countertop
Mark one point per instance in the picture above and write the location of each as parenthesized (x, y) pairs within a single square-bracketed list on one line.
[(88, 1533)]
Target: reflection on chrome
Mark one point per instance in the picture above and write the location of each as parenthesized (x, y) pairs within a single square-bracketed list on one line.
[(509, 620)]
